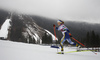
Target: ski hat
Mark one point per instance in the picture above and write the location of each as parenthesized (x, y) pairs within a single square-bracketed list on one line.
[(59, 21)]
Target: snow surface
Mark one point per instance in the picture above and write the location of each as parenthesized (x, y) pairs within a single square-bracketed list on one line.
[(4, 28), (21, 51)]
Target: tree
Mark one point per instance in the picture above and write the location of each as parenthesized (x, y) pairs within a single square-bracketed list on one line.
[(92, 40), (32, 41), (97, 41), (47, 38), (44, 38), (88, 39)]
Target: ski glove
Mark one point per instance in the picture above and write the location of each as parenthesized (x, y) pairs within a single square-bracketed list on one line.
[(54, 25), (57, 28), (70, 34)]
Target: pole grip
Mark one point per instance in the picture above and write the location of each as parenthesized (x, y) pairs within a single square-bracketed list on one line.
[(54, 32)]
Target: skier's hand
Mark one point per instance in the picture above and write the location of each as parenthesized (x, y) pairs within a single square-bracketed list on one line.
[(57, 28), (54, 25), (70, 34)]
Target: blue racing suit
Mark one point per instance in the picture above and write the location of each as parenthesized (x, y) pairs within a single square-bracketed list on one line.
[(65, 31)]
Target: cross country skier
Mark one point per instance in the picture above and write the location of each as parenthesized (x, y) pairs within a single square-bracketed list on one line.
[(66, 34)]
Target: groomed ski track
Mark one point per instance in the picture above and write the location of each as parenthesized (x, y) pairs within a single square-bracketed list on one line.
[(22, 51)]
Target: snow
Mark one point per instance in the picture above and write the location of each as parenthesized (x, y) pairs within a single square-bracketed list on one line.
[(53, 37), (29, 32), (34, 35), (4, 28), (22, 51), (37, 36)]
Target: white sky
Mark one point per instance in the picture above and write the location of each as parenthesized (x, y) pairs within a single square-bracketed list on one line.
[(73, 10)]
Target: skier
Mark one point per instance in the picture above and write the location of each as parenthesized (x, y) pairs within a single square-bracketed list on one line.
[(66, 34)]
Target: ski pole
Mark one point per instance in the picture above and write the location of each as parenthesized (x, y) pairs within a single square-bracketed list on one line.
[(78, 41), (93, 51), (82, 44)]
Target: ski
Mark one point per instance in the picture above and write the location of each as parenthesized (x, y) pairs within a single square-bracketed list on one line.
[(55, 47), (62, 52), (73, 51), (59, 53)]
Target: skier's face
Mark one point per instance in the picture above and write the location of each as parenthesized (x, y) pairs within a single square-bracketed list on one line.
[(58, 23)]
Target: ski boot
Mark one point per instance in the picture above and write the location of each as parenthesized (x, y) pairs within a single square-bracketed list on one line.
[(62, 51), (78, 48)]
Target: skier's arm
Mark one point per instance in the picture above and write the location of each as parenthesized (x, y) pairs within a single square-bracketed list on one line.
[(55, 27), (69, 32)]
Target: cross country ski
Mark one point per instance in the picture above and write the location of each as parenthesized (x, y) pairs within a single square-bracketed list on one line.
[(74, 51)]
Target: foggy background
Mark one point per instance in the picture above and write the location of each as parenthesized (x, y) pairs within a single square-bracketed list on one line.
[(68, 10)]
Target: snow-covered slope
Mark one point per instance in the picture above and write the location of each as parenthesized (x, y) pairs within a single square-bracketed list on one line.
[(53, 37), (4, 28), (32, 29), (21, 51), (23, 29)]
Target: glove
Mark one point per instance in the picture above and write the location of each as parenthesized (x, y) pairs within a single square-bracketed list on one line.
[(54, 25), (57, 28), (70, 35)]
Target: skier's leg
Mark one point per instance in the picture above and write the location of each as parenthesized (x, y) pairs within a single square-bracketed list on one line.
[(62, 41), (69, 41)]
